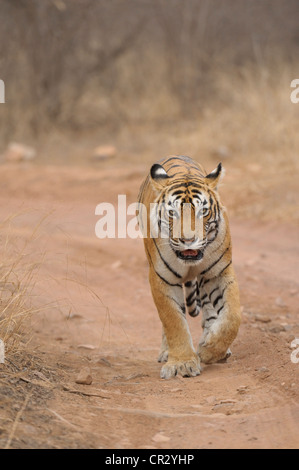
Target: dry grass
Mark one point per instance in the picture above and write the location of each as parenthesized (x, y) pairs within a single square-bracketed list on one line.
[(18, 276)]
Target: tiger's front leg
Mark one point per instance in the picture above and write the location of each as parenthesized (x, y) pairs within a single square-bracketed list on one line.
[(163, 354), (221, 317), (169, 300)]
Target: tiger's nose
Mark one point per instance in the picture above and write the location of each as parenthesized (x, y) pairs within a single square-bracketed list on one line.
[(187, 241)]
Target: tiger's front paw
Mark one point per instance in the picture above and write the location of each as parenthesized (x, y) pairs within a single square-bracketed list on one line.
[(188, 368)]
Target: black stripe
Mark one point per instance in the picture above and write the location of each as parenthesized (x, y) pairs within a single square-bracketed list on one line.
[(190, 303), (196, 185), (218, 209), (178, 191), (188, 283), (218, 311), (182, 307), (211, 318), (224, 268), (165, 262), (159, 275), (212, 292), (224, 239), (166, 282), (192, 313), (196, 192), (217, 300), (221, 295), (190, 296), (170, 159), (176, 185), (215, 262)]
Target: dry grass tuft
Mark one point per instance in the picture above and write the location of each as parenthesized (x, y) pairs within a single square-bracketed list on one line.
[(18, 276)]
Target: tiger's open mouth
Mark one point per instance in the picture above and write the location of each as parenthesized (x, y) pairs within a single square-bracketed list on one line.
[(194, 255)]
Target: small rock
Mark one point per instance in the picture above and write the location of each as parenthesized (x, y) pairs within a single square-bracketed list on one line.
[(280, 302), (289, 340), (262, 370), (116, 265), (262, 318), (228, 401), (84, 377), (19, 152), (86, 346), (276, 329), (104, 152), (159, 437), (211, 400), (73, 316), (286, 326), (242, 389)]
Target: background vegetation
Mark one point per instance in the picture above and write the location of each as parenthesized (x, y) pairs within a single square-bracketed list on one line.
[(94, 64)]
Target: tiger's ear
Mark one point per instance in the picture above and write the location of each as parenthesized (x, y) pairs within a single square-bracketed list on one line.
[(158, 175), (213, 178)]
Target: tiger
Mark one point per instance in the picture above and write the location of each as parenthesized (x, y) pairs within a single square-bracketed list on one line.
[(190, 270)]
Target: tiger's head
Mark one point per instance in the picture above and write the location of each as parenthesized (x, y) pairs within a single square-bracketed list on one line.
[(187, 210)]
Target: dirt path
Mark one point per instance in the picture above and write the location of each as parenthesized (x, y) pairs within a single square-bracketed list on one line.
[(101, 315)]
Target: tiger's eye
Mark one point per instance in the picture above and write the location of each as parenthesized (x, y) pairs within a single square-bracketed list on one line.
[(203, 212)]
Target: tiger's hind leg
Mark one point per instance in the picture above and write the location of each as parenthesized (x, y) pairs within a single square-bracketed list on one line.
[(221, 318)]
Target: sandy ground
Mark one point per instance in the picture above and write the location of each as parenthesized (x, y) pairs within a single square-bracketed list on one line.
[(96, 310)]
